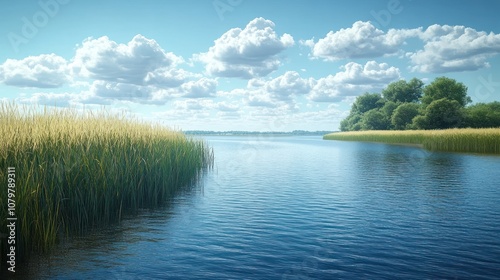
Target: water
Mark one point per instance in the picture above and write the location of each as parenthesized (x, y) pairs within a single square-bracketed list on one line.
[(304, 208)]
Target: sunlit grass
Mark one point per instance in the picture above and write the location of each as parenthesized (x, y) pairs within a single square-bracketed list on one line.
[(485, 140), (77, 171)]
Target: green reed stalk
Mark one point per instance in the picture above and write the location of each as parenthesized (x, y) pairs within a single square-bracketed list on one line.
[(80, 171)]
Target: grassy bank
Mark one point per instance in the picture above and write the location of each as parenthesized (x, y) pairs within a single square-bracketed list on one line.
[(452, 140), (75, 172)]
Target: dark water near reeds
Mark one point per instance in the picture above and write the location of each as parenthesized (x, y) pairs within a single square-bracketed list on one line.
[(304, 208)]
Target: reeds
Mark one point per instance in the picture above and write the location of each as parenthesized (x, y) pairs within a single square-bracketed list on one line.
[(78, 171), (469, 140)]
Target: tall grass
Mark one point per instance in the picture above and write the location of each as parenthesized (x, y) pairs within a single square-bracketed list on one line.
[(78, 171), (470, 140)]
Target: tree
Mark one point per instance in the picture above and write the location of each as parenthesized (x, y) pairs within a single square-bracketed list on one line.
[(444, 113), (367, 102), (374, 120), (352, 122), (483, 115), (404, 114), (441, 104), (403, 92), (419, 122), (388, 108), (444, 87)]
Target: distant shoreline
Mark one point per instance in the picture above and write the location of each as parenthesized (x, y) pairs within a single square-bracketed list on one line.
[(257, 133)]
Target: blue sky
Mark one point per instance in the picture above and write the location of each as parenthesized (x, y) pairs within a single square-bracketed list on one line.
[(241, 64)]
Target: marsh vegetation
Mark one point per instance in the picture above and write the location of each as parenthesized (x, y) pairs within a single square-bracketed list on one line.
[(486, 140), (77, 171)]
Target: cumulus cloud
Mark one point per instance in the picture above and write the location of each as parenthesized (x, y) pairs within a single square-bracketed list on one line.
[(327, 119), (203, 87), (454, 48), (193, 104), (139, 61), (197, 113), (120, 91), (51, 99), (354, 80), (288, 84), (188, 111), (65, 99), (260, 99), (283, 91), (43, 71), (102, 91), (247, 53), (167, 78), (226, 106), (362, 40), (280, 91), (370, 73), (445, 48), (139, 71)]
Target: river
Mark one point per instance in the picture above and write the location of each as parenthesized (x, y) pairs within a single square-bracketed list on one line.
[(304, 208)]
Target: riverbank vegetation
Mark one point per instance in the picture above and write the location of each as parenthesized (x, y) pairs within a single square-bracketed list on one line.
[(75, 172), (437, 116), (403, 105), (486, 140)]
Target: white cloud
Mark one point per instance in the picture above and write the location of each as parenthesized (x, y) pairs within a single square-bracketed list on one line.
[(102, 91), (193, 104), (446, 48), (288, 84), (362, 40), (247, 53), (120, 91), (196, 113), (203, 114), (308, 43), (167, 78), (195, 109), (51, 99), (280, 91), (370, 73), (226, 106), (140, 60), (284, 91), (43, 71), (139, 71), (260, 99), (228, 115), (188, 111), (331, 116), (66, 99), (203, 87), (354, 80), (281, 119), (454, 48)]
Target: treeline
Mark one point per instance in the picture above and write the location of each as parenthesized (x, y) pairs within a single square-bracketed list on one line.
[(403, 105)]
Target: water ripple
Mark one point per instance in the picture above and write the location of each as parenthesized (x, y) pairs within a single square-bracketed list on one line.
[(301, 208)]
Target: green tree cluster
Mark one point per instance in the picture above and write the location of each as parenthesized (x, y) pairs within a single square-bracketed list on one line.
[(412, 105)]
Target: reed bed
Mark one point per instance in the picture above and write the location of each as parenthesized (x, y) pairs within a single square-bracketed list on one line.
[(485, 140), (79, 171)]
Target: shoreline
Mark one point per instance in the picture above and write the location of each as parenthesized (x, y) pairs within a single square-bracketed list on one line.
[(466, 140)]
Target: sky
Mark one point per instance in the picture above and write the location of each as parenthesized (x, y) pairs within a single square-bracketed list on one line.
[(240, 64)]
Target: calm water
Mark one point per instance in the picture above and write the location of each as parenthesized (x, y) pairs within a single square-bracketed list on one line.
[(304, 208)]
